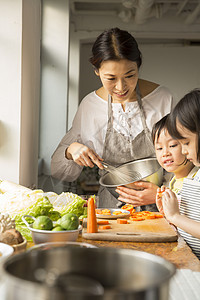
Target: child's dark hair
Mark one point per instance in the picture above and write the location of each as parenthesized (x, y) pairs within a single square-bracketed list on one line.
[(115, 44), (158, 127), (187, 113)]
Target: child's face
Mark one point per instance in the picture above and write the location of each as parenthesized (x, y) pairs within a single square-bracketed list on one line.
[(189, 144), (169, 152)]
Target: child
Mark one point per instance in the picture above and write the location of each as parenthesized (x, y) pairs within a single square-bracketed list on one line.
[(184, 124), (170, 157)]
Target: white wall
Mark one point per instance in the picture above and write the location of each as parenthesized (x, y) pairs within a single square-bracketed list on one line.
[(177, 67), (10, 96), (19, 96), (54, 78)]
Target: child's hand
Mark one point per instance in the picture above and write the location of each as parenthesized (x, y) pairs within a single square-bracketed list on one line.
[(159, 199), (170, 205)]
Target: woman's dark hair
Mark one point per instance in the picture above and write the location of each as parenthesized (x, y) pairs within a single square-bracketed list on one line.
[(187, 113), (115, 44), (158, 127)]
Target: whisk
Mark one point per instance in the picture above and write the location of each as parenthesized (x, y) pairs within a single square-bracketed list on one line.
[(124, 176)]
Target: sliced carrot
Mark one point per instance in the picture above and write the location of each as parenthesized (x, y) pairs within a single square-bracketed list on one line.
[(128, 207), (160, 193), (150, 217), (122, 221), (117, 212), (102, 222), (104, 211), (136, 218), (91, 216), (104, 227), (158, 216), (134, 214), (145, 212), (98, 211), (142, 215)]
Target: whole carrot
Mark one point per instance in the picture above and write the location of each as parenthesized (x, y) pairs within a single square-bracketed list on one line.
[(91, 216)]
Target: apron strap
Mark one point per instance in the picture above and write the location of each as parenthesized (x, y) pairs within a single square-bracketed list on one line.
[(142, 115), (110, 115)]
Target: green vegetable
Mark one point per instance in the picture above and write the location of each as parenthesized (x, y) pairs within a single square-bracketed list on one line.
[(43, 223), (75, 207), (82, 217), (54, 215), (57, 228), (69, 221)]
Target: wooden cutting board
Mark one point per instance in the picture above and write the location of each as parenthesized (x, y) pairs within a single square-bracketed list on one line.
[(151, 230)]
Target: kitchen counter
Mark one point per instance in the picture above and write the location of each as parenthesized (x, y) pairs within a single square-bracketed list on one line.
[(179, 253)]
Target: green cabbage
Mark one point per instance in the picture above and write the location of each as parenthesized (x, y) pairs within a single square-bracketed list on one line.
[(75, 207)]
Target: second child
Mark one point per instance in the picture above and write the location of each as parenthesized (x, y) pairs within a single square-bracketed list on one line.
[(185, 126)]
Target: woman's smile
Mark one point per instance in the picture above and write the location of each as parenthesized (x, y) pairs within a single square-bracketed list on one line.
[(121, 94)]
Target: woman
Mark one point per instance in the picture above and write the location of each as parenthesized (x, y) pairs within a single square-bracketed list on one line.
[(113, 123)]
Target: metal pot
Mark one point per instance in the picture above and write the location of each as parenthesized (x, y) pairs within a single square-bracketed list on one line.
[(101, 273)]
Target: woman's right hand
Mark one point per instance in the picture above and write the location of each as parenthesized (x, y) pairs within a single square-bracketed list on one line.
[(83, 155)]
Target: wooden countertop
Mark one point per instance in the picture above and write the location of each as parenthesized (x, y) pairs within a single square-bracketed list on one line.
[(178, 253)]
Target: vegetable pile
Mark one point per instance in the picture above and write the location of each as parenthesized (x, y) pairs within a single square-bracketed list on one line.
[(37, 203)]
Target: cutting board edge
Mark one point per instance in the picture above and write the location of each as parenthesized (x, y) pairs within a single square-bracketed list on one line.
[(129, 238)]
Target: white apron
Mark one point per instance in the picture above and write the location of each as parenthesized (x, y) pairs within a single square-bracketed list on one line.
[(119, 149)]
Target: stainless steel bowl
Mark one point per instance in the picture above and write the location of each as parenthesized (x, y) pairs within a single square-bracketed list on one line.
[(149, 169), (120, 274)]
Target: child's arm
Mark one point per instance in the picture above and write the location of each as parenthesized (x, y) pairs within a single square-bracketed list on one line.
[(172, 214)]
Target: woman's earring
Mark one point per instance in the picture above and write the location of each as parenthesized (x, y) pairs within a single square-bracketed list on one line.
[(96, 72)]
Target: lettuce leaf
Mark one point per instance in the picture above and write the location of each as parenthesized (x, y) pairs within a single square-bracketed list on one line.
[(75, 207)]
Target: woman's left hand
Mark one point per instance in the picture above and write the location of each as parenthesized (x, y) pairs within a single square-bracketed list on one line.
[(146, 195)]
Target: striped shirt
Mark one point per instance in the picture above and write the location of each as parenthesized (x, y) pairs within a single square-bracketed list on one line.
[(190, 207), (176, 184)]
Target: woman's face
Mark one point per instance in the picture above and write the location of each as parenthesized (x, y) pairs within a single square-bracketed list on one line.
[(119, 78), (189, 143)]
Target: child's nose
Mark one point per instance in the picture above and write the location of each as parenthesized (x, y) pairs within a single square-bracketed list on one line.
[(165, 152), (184, 151)]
